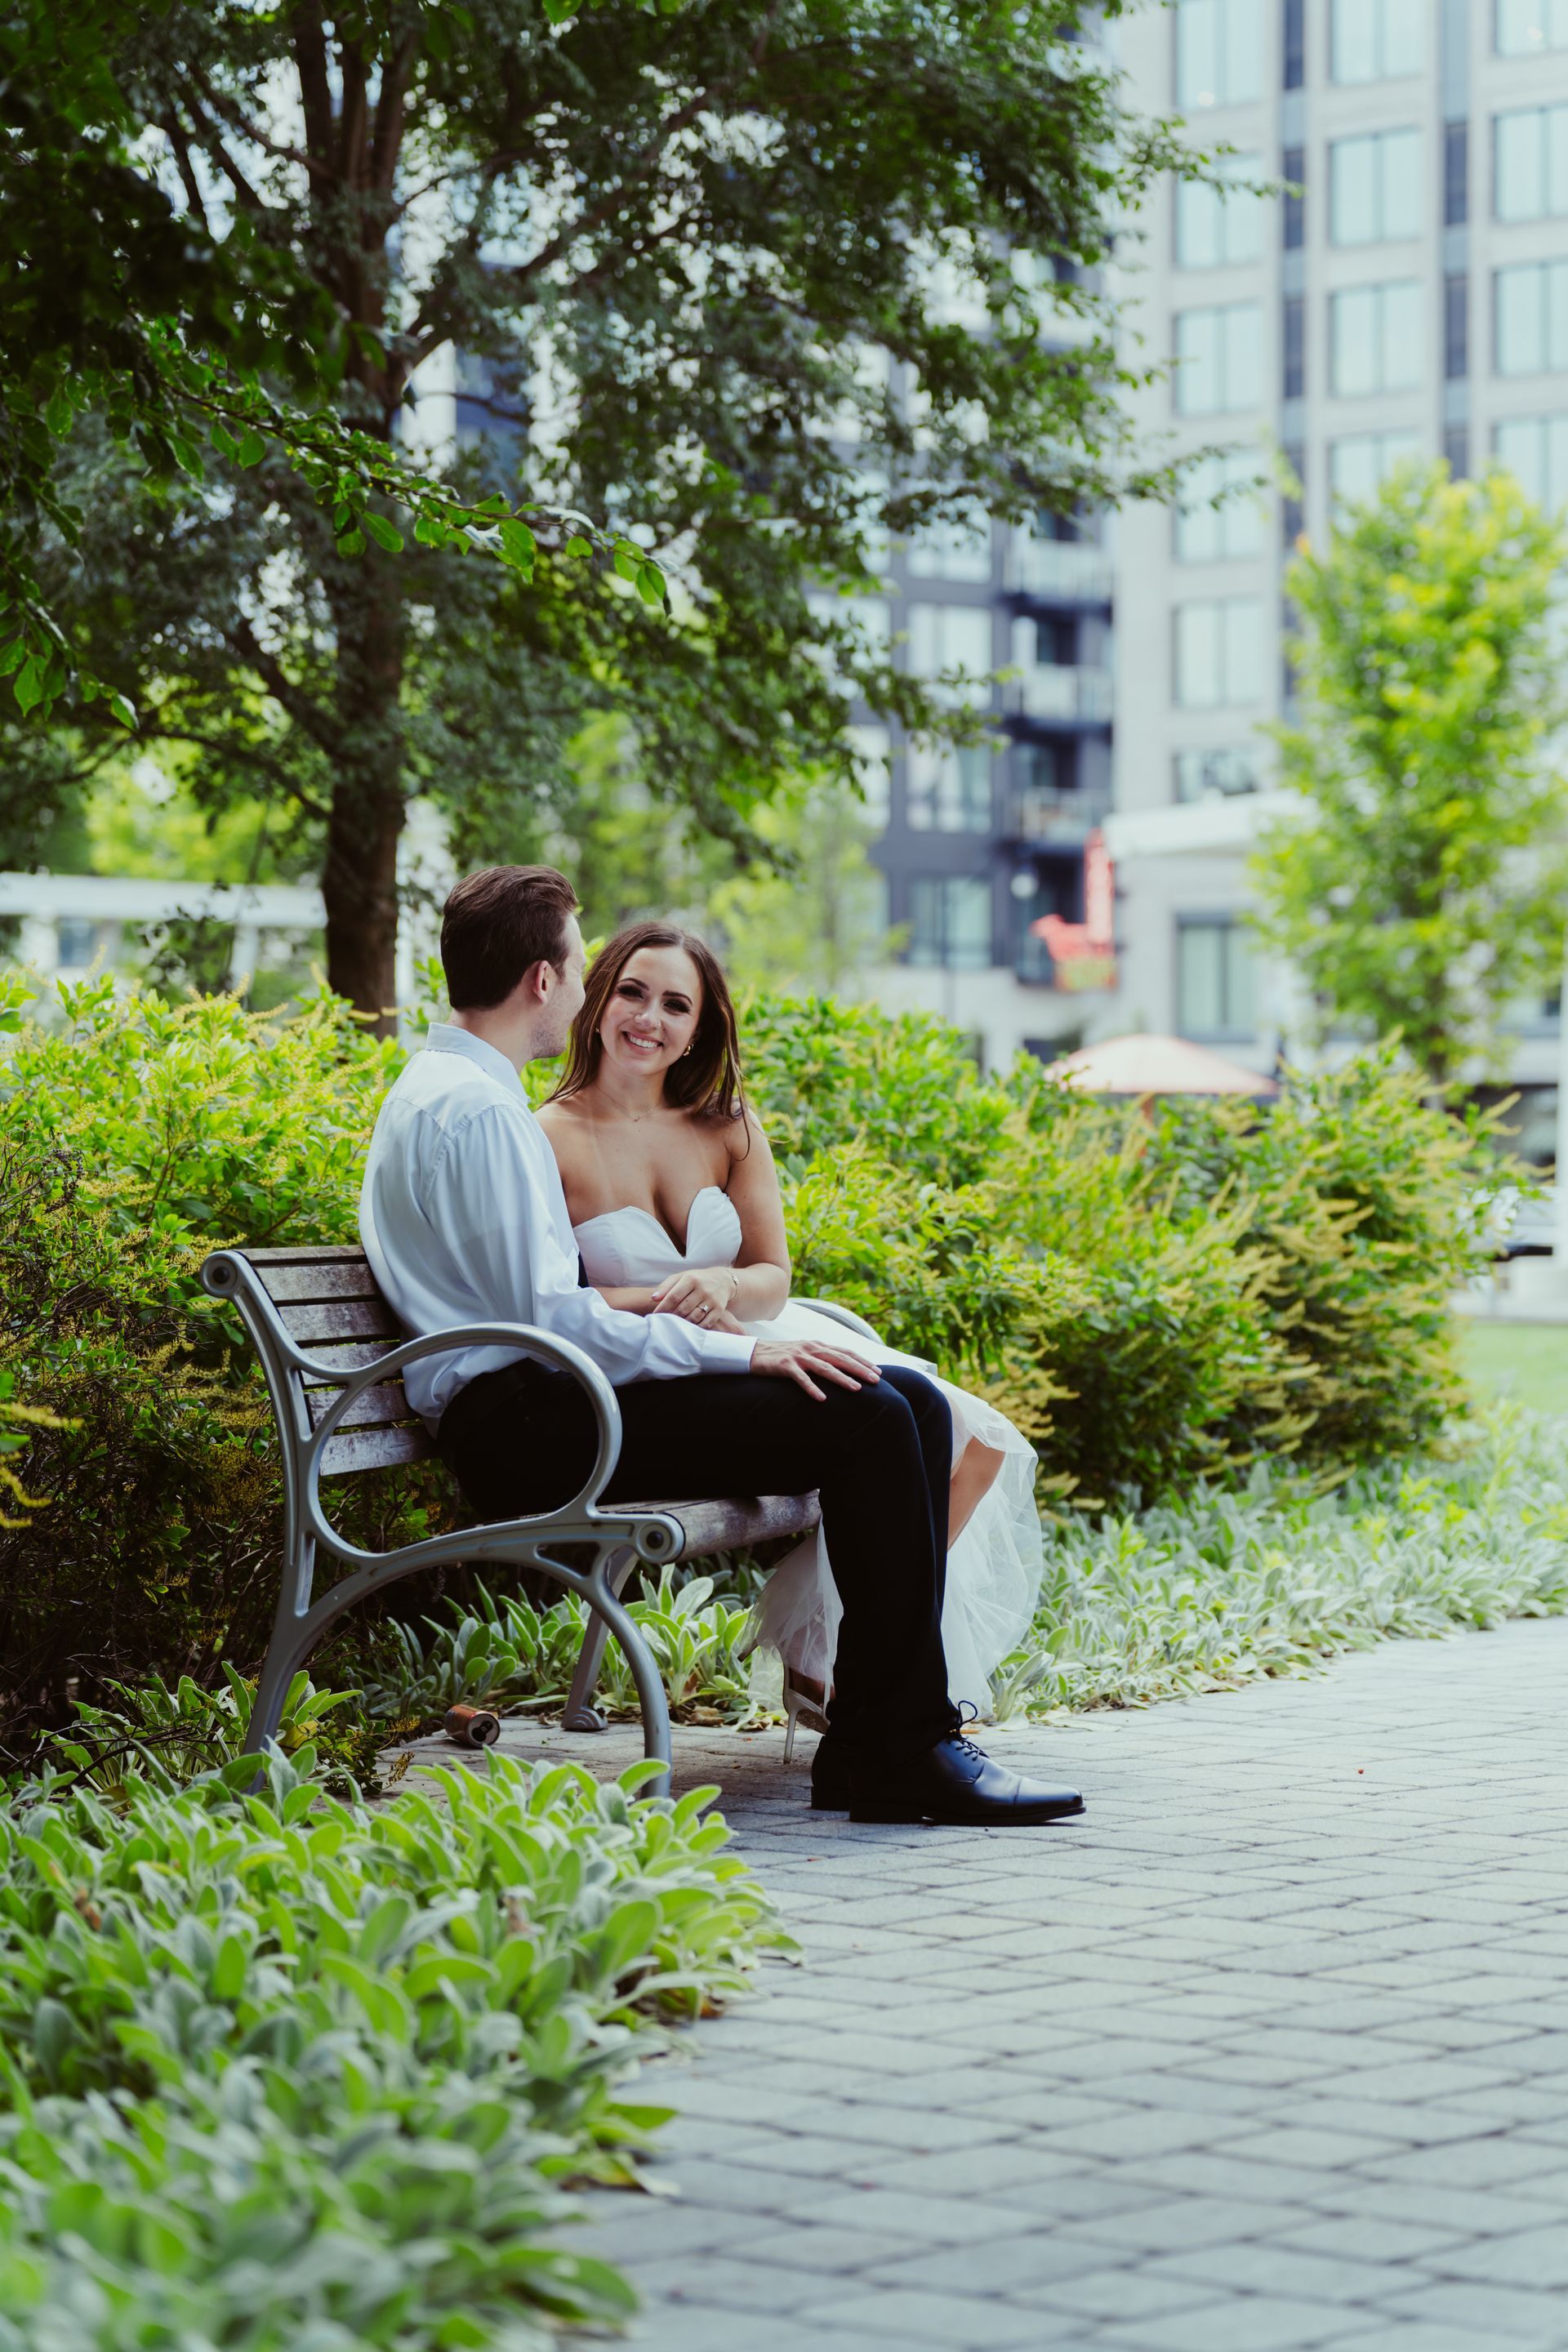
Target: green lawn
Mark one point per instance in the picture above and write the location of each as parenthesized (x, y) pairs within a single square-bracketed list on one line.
[(1525, 1362)]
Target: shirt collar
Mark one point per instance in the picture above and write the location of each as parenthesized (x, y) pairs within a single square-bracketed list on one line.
[(442, 1038)]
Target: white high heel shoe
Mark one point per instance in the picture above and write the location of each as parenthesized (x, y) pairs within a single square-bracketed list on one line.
[(802, 1703)]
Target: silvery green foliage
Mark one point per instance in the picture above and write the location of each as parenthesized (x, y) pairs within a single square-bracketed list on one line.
[(1227, 1586), (282, 2071)]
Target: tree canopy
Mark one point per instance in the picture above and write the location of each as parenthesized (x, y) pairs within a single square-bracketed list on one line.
[(1422, 886), (747, 287)]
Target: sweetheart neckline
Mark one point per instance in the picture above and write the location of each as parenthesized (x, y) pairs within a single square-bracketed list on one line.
[(635, 1209)]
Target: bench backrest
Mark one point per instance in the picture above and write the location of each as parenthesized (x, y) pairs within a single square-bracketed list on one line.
[(328, 1302)]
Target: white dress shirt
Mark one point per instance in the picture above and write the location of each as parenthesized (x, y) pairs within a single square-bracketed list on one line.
[(464, 1221)]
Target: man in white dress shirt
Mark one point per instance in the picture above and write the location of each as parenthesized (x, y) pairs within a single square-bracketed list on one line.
[(464, 1220)]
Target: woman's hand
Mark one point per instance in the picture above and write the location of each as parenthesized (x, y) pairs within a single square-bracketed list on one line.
[(700, 1297)]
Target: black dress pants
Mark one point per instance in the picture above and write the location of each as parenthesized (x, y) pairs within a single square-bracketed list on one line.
[(522, 1440)]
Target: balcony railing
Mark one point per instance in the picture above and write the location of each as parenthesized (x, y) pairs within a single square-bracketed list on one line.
[(1060, 694), (1059, 571), (1041, 812)]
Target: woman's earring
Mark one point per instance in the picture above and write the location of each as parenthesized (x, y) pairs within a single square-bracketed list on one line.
[(689, 1049)]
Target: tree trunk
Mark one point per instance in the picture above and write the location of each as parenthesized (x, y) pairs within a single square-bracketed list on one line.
[(358, 883)]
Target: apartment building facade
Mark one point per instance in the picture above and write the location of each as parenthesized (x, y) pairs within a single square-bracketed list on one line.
[(1412, 297)]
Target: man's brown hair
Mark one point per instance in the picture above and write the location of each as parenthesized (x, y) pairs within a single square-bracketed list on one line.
[(498, 924)]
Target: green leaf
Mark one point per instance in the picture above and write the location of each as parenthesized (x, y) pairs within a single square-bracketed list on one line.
[(577, 545), (351, 543), (385, 534), (29, 688), (59, 415), (11, 656), (518, 544), (123, 710), (252, 447)]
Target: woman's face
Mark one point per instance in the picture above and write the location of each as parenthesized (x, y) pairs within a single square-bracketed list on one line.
[(652, 1012)]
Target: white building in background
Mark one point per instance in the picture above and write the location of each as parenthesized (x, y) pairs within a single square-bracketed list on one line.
[(1414, 298)]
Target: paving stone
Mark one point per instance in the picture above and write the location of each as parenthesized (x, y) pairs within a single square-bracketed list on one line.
[(1282, 2066)]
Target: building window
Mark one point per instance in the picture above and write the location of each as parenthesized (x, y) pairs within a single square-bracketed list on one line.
[(1455, 174), (1216, 992), (1530, 164), (1524, 27), (1218, 227), (1375, 40), (1375, 187), (947, 637), (950, 921), (1534, 449), (1219, 359), (952, 549), (1455, 327), (1358, 462), (1375, 338), (1293, 346), (1211, 533), (948, 788), (871, 746), (1293, 167), (1293, 47), (1219, 52), (1218, 652), (1457, 450), (1201, 775), (1292, 497), (1531, 319)]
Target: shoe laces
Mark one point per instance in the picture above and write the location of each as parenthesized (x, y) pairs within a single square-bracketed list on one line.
[(968, 1713)]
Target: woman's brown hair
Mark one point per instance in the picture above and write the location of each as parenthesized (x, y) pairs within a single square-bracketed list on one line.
[(706, 1080)]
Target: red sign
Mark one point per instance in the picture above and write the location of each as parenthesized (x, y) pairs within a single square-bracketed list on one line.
[(1085, 953)]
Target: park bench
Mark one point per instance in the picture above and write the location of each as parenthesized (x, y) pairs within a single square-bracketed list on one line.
[(333, 1354)]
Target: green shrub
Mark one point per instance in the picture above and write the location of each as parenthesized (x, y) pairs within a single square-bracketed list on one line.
[(1155, 1301), (285, 2071)]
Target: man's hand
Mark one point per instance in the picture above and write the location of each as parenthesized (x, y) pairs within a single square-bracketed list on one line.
[(806, 1361), (702, 1295)]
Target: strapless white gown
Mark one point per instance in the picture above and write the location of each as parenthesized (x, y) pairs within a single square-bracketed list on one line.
[(993, 1568)]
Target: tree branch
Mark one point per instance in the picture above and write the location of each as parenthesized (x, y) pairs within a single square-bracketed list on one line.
[(248, 756), (315, 84), (289, 698), (174, 133), (351, 119), (386, 142), (237, 120)]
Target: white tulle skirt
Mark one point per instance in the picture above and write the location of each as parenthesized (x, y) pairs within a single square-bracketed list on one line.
[(994, 1569)]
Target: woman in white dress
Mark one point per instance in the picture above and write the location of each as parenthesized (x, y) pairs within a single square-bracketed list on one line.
[(675, 1202)]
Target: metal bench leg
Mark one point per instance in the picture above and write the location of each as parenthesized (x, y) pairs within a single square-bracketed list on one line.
[(278, 1672), (650, 1693), (580, 1714)]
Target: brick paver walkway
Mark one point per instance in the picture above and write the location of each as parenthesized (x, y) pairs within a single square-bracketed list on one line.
[(1270, 2050)]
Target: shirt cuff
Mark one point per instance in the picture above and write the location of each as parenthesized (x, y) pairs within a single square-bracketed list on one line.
[(727, 1351)]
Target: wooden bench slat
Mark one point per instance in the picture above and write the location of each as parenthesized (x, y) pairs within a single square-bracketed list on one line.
[(384, 1403), (298, 1256), (347, 1318), (337, 1356), (373, 1449), (311, 1282)]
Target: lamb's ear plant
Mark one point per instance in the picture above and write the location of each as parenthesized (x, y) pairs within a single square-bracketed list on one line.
[(281, 2069)]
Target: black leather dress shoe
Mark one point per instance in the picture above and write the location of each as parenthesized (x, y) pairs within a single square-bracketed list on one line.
[(832, 1778), (955, 1782)]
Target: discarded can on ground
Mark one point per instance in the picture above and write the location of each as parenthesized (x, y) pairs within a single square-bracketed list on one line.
[(472, 1726)]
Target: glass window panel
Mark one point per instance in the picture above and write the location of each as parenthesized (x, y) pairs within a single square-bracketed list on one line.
[(950, 921), (952, 550), (1403, 35), (1240, 1009), (1520, 181), (1354, 43), (1353, 201), (1519, 27), (952, 638), (1214, 230), (1219, 52), (1197, 657), (1354, 341), (871, 746), (1358, 462), (1401, 184), (1521, 320), (1554, 283), (1199, 984), (1242, 645), (1197, 226), (1557, 162), (948, 788), (1197, 362), (1242, 386)]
